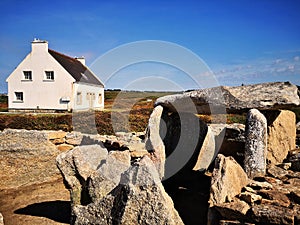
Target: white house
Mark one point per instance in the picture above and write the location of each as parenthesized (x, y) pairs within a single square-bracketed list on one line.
[(47, 80)]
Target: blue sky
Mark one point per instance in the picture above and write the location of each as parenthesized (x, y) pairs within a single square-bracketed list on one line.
[(241, 41)]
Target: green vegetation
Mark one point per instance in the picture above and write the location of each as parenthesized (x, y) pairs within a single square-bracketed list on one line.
[(124, 106), (3, 103)]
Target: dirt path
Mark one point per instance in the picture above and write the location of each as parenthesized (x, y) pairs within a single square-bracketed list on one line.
[(42, 204)]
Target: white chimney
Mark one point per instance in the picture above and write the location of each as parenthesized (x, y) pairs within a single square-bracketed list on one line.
[(39, 46), (81, 59)]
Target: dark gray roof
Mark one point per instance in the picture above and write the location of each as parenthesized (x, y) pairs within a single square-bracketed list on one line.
[(76, 69)]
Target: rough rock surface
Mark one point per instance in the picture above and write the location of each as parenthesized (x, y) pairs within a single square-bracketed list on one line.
[(235, 210), (138, 199), (294, 159), (108, 176), (276, 95), (281, 135), (1, 219), (272, 214), (26, 157), (228, 179), (256, 144), (230, 139), (207, 152), (154, 143), (76, 166)]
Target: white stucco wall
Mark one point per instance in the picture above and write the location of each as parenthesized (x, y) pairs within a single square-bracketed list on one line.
[(86, 92)]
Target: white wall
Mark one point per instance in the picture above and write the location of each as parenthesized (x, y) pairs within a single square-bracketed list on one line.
[(39, 93), (86, 91)]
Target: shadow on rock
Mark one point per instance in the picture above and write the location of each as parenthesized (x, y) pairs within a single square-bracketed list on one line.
[(58, 211)]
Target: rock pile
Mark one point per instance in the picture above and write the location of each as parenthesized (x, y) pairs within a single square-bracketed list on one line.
[(115, 188), (28, 156), (272, 199), (254, 176)]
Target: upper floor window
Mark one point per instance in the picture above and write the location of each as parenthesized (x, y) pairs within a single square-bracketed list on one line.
[(49, 75), (27, 75)]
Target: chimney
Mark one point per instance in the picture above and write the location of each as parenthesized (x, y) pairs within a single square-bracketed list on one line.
[(81, 59), (39, 46)]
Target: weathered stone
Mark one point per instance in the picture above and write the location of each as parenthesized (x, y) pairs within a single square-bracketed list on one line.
[(277, 172), (298, 134), (260, 185), (256, 144), (285, 188), (294, 181), (1, 219), (273, 180), (295, 195), (52, 134), (74, 138), (26, 158), (58, 141), (281, 135), (207, 152), (277, 95), (296, 209), (76, 166), (249, 189), (230, 222), (276, 197), (235, 210), (228, 179), (64, 147), (230, 139), (285, 166), (294, 159), (108, 176), (139, 199), (293, 174), (250, 197), (272, 214), (138, 153), (154, 142)]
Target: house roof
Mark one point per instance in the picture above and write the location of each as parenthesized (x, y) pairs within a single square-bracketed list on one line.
[(76, 69)]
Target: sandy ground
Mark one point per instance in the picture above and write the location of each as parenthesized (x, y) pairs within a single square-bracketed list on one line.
[(42, 204)]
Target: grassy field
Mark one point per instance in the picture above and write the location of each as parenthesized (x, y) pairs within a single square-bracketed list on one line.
[(124, 111), (134, 107)]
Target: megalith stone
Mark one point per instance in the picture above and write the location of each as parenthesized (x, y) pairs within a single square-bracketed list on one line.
[(140, 198), (76, 166), (154, 143), (256, 144), (279, 95), (281, 135), (228, 179), (108, 176), (207, 152)]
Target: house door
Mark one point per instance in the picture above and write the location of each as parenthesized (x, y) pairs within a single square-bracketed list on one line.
[(91, 99)]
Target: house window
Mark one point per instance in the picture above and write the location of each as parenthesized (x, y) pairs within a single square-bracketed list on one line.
[(100, 98), (79, 98), (27, 75), (19, 96), (49, 75)]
